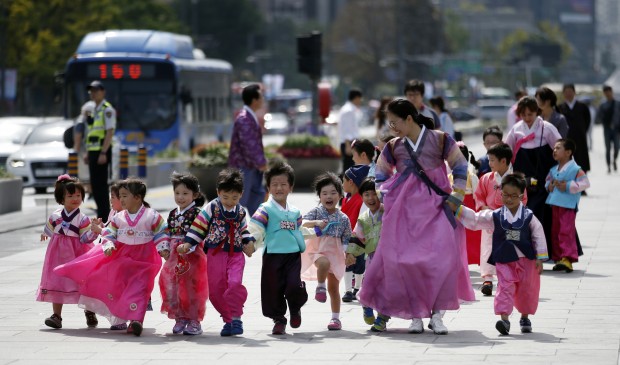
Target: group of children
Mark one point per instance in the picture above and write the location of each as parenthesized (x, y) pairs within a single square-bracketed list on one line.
[(204, 246)]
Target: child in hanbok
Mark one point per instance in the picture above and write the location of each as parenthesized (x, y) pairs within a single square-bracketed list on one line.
[(222, 225), (519, 249), (182, 281), (365, 153), (323, 259), (117, 278), (472, 238), (71, 237), (565, 182)]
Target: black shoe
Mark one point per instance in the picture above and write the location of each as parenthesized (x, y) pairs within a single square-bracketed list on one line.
[(355, 291), (487, 288), (91, 319), (136, 327), (583, 193), (503, 327), (348, 297), (526, 325), (615, 166), (54, 321)]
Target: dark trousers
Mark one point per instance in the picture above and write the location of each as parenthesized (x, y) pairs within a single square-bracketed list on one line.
[(281, 284), (99, 175), (347, 160), (611, 136), (253, 190)]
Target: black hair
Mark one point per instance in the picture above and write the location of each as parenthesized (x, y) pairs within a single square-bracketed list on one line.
[(135, 187), (414, 85), (439, 103), (114, 189), (519, 94), (325, 179), (568, 145), (469, 156), (403, 108), (230, 179), (280, 168), (64, 186), (501, 151), (607, 88), (354, 93), (546, 94), (529, 103), (249, 93), (568, 86), (364, 146), (380, 113), (191, 182), (517, 180), (493, 131), (368, 184)]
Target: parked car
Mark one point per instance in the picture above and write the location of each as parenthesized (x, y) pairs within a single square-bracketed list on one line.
[(14, 132), (276, 123), (42, 157), (495, 110)]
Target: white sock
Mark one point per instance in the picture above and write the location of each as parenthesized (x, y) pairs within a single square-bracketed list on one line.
[(358, 281), (321, 285), (348, 280), (336, 315)]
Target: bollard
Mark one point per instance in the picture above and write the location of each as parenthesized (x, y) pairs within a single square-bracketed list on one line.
[(124, 163), (142, 162), (72, 164)]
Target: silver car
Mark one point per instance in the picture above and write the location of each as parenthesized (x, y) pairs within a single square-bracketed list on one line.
[(14, 132), (42, 157)]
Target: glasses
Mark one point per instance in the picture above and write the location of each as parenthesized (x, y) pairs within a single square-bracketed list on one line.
[(512, 196), (392, 124)]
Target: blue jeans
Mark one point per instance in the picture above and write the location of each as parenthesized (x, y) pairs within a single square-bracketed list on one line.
[(253, 189), (612, 135)]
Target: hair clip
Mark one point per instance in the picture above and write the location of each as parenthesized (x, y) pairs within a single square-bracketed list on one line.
[(64, 177)]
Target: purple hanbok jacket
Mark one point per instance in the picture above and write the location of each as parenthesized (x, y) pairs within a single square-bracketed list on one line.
[(246, 144)]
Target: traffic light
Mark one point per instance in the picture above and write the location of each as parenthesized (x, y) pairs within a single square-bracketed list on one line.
[(309, 54)]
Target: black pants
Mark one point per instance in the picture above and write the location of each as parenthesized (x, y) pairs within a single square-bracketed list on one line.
[(281, 283), (611, 136), (359, 267), (99, 175), (347, 160)]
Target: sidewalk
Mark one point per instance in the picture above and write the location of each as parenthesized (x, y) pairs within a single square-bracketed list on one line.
[(577, 322)]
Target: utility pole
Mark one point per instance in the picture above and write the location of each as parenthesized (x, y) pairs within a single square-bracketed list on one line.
[(4, 20)]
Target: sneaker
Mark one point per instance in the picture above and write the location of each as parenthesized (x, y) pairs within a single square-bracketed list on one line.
[(380, 324), (193, 328), (54, 321), (563, 265), (296, 319), (119, 327), (503, 327), (615, 166), (321, 294), (369, 315), (136, 327), (487, 288), (91, 319), (526, 325), (279, 328), (237, 327), (179, 326), (355, 291), (334, 325), (227, 330), (348, 297), (416, 326), (436, 324)]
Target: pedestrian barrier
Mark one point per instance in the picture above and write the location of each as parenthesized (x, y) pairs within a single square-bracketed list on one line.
[(141, 162), (72, 164), (124, 163)]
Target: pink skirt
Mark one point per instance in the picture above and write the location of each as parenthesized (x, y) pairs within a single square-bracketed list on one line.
[(324, 246), (184, 284), (117, 287), (54, 288)]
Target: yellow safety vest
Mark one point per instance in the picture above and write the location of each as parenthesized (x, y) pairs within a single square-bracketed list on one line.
[(96, 132)]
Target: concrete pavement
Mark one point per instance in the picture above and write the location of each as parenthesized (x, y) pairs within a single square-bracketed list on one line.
[(577, 322)]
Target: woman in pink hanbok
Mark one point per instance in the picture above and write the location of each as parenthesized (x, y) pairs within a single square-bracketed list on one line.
[(417, 271)]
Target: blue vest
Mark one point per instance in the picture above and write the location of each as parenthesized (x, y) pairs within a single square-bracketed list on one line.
[(282, 235), (505, 237), (564, 199)]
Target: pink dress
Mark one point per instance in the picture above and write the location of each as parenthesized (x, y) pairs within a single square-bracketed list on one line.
[(118, 286), (183, 279), (70, 237)]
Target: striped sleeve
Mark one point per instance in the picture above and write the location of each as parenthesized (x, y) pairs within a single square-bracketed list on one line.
[(475, 220), (86, 235), (580, 183), (538, 239), (109, 234), (160, 236), (458, 164), (48, 229), (261, 216), (198, 230)]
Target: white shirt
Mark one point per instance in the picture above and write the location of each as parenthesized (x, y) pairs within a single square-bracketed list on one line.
[(417, 142), (571, 104), (349, 125), (249, 110), (109, 116), (550, 134)]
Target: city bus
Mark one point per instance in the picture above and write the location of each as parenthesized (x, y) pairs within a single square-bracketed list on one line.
[(167, 94)]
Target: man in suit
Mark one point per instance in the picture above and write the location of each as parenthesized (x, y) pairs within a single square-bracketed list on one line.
[(246, 148), (609, 115), (578, 118)]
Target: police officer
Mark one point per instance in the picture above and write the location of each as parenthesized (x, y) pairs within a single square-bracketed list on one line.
[(100, 127)]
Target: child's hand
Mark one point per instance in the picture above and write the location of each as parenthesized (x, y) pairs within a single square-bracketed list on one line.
[(184, 248), (349, 260), (539, 266), (108, 251), (452, 206), (561, 185), (165, 254), (95, 225), (249, 249), (44, 237), (320, 224)]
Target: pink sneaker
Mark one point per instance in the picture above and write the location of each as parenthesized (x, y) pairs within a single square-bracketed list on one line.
[(334, 325), (320, 295), (180, 325)]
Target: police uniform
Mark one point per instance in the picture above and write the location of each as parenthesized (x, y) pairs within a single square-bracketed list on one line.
[(102, 119)]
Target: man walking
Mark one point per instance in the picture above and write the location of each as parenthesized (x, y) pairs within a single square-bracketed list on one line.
[(349, 126), (578, 118), (609, 115)]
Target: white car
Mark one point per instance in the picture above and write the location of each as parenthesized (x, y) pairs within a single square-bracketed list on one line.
[(42, 157), (14, 132)]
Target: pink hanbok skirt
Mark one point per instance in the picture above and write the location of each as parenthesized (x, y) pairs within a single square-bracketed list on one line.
[(324, 246)]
